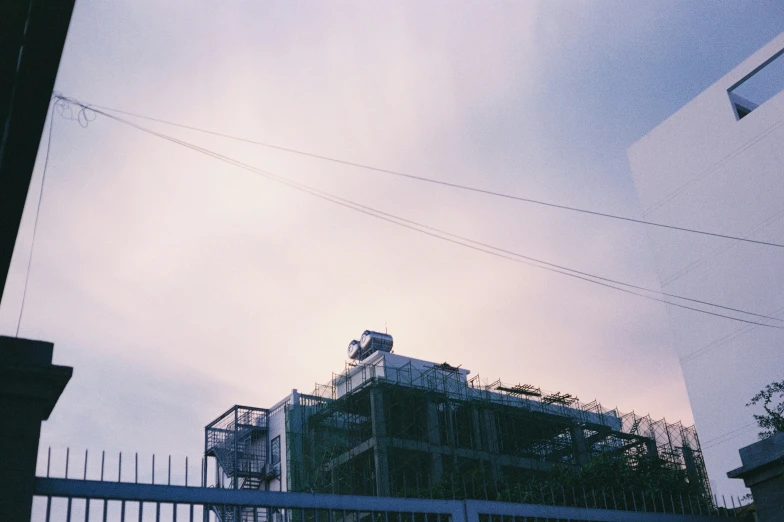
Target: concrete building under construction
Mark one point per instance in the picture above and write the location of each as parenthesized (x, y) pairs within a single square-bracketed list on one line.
[(390, 425)]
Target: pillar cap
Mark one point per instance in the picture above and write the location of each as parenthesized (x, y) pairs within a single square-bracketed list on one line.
[(27, 376)]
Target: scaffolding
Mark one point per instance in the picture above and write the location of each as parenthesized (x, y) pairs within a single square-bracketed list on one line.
[(405, 431), (238, 442)]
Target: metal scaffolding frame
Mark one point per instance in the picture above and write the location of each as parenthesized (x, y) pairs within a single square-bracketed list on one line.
[(405, 432), (238, 441)]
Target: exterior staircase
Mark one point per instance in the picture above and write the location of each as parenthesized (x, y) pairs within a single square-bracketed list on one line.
[(238, 442)]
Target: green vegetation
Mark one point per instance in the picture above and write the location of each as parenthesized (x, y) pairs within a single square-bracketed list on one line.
[(773, 419)]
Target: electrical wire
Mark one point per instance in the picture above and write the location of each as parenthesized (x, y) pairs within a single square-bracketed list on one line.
[(442, 182), (704, 259), (431, 231), (721, 439), (35, 221), (721, 341), (712, 168)]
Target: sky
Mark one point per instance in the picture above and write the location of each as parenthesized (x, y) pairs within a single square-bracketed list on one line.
[(177, 285)]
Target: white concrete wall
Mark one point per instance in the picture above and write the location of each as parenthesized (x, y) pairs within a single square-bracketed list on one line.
[(702, 168), (277, 427)]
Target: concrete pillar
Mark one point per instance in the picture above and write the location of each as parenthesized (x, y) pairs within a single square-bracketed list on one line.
[(650, 445), (380, 452), (691, 465), (763, 473), (579, 447), (434, 439), (490, 442), (29, 388), (476, 429)]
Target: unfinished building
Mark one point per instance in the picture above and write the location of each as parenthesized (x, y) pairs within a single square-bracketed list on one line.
[(390, 425)]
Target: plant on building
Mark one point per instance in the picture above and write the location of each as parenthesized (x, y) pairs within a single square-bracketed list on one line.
[(638, 482), (771, 398)]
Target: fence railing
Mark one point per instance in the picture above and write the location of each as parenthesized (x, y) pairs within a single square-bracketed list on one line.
[(119, 496), (69, 500)]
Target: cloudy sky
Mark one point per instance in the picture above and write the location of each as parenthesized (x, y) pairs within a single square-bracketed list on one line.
[(177, 285)]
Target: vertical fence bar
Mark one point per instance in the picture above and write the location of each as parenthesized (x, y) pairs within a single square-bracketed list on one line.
[(67, 456), (48, 507), (119, 468), (103, 460), (105, 509), (68, 509), (136, 468), (84, 477), (169, 483), (153, 468), (186, 472), (141, 510), (48, 461)]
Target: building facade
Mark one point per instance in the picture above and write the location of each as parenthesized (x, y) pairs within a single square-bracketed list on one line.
[(395, 426), (716, 165)]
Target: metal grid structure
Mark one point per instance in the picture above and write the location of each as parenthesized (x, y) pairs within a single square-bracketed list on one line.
[(119, 494), (404, 432), (238, 442)]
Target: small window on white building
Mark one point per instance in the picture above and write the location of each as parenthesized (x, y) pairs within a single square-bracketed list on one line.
[(760, 85), (275, 450)]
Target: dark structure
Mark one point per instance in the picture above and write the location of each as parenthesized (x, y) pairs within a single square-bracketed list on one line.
[(32, 35), (763, 473), (29, 388), (394, 426)]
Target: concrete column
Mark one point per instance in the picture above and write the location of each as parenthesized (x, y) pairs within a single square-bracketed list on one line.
[(380, 456), (490, 442), (434, 439), (476, 429), (580, 449), (29, 388), (653, 450), (763, 473), (690, 465)]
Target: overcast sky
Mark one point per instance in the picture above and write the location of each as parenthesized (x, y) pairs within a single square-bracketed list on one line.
[(177, 285)]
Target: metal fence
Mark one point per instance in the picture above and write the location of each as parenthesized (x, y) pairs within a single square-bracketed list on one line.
[(119, 496)]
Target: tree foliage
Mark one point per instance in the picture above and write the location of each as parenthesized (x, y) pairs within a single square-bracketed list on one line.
[(771, 398)]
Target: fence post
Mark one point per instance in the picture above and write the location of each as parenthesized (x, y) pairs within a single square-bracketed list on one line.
[(30, 386)]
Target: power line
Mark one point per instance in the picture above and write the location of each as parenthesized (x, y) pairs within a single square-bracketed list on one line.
[(712, 168), (721, 439), (441, 182), (431, 231), (704, 259), (35, 221), (721, 341)]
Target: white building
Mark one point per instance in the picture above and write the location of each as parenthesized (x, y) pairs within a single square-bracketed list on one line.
[(718, 165)]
